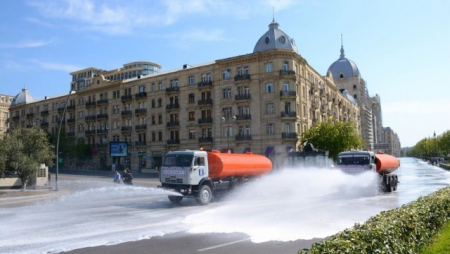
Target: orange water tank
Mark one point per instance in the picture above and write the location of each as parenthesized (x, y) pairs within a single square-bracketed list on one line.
[(386, 163), (232, 164)]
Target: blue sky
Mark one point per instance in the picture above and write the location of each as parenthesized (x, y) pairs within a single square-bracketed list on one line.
[(400, 47)]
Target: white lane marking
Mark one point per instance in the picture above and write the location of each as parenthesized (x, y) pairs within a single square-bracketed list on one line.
[(224, 244)]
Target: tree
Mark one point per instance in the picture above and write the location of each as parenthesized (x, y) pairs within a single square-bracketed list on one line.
[(333, 137), (26, 149)]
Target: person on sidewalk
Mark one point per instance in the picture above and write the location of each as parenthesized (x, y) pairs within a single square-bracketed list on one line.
[(127, 177), (117, 177)]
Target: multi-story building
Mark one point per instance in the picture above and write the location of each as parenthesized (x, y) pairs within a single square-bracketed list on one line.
[(260, 102), (5, 103)]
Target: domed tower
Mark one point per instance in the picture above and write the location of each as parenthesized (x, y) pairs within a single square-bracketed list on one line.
[(22, 97), (274, 39), (343, 67)]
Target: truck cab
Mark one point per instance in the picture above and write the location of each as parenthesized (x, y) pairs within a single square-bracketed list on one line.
[(356, 161)]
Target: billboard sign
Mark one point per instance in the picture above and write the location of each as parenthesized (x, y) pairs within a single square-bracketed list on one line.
[(118, 149)]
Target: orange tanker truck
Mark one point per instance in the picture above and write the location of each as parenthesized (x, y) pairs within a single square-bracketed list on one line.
[(202, 175), (362, 161)]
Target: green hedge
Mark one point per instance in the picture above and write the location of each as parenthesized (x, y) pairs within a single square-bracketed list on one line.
[(402, 230)]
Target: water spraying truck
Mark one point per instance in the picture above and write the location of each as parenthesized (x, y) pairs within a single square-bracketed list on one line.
[(363, 161), (202, 175)]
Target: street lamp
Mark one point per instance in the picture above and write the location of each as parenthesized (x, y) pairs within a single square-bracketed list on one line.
[(57, 140), (227, 120)]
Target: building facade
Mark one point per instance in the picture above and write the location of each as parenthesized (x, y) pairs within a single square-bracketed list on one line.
[(260, 102), (5, 103)]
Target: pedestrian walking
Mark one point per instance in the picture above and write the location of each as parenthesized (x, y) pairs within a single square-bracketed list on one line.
[(117, 177), (127, 177)]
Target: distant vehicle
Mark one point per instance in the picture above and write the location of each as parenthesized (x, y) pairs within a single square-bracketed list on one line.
[(309, 157), (202, 175), (363, 161)]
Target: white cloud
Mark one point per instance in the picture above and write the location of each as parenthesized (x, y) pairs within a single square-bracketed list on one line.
[(29, 43), (55, 66)]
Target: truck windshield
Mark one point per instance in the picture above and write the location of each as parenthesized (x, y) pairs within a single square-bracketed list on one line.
[(353, 160), (178, 160)]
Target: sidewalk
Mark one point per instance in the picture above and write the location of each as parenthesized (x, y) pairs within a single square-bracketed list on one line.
[(100, 173), (12, 197)]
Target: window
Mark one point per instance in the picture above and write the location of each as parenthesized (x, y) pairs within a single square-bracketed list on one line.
[(160, 86), (153, 120), (142, 89), (81, 114), (160, 136), (227, 112), (268, 67), (160, 119), (191, 80), (285, 66), (159, 102), (226, 74), (153, 87), (269, 108), (269, 129), (354, 87), (153, 136), (226, 93), (191, 98), (191, 115), (269, 88), (228, 131), (191, 134), (153, 103), (286, 87)]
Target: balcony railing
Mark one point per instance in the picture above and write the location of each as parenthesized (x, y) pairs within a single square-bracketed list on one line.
[(172, 89), (288, 93), (71, 107), (140, 143), (205, 102), (126, 128), (101, 102), (44, 124), (140, 95), (102, 116), (285, 135), (288, 114), (90, 104), (287, 73), (173, 141), (205, 140), (243, 117), (172, 106), (90, 118), (140, 127), (173, 124), (242, 77), (204, 84), (126, 98), (91, 132), (70, 134), (240, 97), (44, 112), (16, 118), (140, 111), (102, 145), (71, 120), (60, 110), (205, 120), (30, 115), (243, 137), (102, 131), (126, 113)]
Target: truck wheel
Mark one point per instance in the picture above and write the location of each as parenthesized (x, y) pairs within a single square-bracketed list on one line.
[(175, 199), (204, 195), (394, 182), (387, 184)]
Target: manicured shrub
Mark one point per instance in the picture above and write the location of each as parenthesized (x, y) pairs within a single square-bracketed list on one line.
[(402, 230)]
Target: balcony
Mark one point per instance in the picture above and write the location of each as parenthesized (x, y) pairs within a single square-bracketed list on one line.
[(103, 146), (126, 129), (90, 118), (29, 125), (203, 84), (172, 106), (141, 127), (15, 118), (71, 107), (173, 124), (205, 102), (243, 117), (102, 102), (172, 89), (60, 110), (102, 116), (285, 135), (243, 137), (287, 73), (173, 141), (91, 132), (44, 113), (288, 94), (126, 113), (30, 115), (140, 111), (70, 134), (205, 120), (205, 140), (140, 143), (242, 77), (44, 124), (90, 104), (242, 97), (102, 131), (71, 120), (126, 98), (141, 95), (288, 114)]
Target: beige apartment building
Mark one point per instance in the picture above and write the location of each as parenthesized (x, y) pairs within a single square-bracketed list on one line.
[(260, 102), (5, 103)]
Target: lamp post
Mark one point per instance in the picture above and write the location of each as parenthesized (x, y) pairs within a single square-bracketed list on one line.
[(57, 140), (227, 120)]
